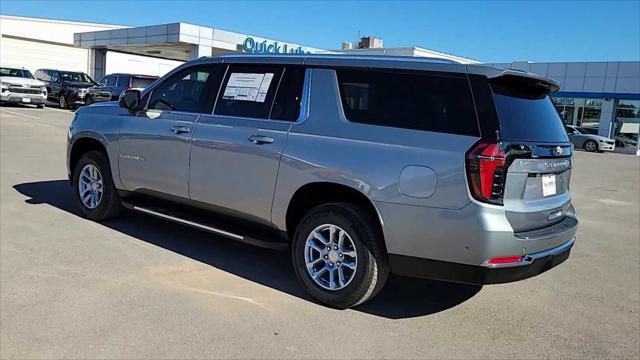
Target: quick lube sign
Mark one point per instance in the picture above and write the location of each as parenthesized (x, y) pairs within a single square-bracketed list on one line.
[(250, 45)]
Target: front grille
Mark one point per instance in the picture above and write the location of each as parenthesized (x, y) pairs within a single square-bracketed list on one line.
[(20, 90)]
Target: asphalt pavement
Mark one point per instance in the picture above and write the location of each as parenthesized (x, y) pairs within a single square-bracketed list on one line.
[(139, 287)]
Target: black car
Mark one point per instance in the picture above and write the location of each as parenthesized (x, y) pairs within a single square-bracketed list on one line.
[(115, 84), (70, 88)]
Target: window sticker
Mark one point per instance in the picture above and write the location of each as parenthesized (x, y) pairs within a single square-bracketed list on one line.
[(248, 87)]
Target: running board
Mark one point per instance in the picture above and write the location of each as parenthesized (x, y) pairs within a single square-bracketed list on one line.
[(274, 245)]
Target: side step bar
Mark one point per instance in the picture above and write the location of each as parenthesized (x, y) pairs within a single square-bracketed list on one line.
[(274, 245)]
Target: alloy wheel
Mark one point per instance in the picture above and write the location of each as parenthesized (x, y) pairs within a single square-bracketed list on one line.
[(90, 186), (330, 257)]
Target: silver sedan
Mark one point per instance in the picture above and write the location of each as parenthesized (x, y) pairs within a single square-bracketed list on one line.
[(582, 139)]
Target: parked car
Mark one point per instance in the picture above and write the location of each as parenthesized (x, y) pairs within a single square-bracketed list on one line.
[(116, 84), (582, 139), (360, 166), (18, 86), (70, 89)]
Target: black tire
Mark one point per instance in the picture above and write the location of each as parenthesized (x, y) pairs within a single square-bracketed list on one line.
[(109, 205), (88, 100), (40, 106), (372, 268), (591, 146), (62, 102)]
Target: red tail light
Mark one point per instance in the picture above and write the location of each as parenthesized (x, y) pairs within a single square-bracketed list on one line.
[(486, 172)]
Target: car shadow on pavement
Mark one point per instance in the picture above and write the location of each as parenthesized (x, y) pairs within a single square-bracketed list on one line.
[(401, 298)]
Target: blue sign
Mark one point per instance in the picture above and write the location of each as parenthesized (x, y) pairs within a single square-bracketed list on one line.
[(264, 47)]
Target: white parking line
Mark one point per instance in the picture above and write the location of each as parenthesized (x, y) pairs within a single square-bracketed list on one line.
[(59, 110), (18, 114)]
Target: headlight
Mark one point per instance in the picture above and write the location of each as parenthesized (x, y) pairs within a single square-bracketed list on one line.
[(3, 86), (43, 89)]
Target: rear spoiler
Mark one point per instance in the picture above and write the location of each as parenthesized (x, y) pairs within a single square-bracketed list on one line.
[(549, 85)]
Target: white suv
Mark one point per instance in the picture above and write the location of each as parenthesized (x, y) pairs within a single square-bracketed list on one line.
[(20, 87)]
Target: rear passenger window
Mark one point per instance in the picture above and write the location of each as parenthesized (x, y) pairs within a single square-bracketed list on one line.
[(192, 90), (248, 91), (286, 106), (421, 101)]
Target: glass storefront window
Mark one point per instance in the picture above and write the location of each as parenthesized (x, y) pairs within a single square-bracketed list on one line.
[(580, 112), (627, 124)]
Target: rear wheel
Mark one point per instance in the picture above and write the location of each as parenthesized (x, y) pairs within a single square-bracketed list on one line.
[(338, 255), (94, 192), (88, 100), (591, 146)]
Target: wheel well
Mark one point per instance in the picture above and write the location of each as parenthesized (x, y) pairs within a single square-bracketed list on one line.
[(314, 194), (81, 147)]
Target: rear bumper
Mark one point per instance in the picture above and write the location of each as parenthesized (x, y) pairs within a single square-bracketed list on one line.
[(532, 265)]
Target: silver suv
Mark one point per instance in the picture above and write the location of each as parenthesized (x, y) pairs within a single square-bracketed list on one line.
[(360, 166)]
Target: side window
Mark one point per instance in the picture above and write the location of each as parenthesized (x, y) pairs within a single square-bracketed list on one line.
[(123, 81), (110, 80), (248, 90), (409, 100), (286, 106), (54, 76), (102, 81), (191, 90)]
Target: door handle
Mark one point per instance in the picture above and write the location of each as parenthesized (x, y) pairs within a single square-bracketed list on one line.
[(259, 139), (180, 129)]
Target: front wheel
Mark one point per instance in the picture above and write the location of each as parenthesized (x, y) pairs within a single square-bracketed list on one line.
[(338, 255), (94, 192), (591, 146), (62, 102)]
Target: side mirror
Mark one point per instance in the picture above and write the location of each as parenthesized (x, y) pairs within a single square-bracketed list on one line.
[(130, 99)]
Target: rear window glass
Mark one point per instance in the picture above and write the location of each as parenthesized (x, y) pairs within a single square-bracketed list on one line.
[(419, 101), (526, 113), (141, 83)]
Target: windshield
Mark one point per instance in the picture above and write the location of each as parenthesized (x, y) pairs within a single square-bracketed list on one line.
[(525, 112), (581, 130), (76, 77), (16, 73)]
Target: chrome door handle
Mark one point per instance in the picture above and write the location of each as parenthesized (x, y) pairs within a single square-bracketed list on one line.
[(180, 129), (259, 139)]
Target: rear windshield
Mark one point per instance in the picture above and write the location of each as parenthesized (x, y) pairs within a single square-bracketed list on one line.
[(525, 112), (142, 83)]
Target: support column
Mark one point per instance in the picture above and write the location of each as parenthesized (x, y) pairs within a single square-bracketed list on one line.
[(198, 51), (607, 118), (97, 63)]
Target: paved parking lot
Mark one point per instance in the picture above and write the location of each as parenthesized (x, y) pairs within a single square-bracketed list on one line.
[(138, 287)]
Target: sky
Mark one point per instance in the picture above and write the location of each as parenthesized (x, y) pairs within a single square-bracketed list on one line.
[(489, 31)]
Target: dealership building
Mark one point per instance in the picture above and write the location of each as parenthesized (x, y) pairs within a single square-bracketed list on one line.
[(602, 97)]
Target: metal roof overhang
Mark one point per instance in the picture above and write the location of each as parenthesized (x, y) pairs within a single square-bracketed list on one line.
[(176, 41)]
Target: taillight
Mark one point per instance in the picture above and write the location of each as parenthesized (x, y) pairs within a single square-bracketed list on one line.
[(486, 172)]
